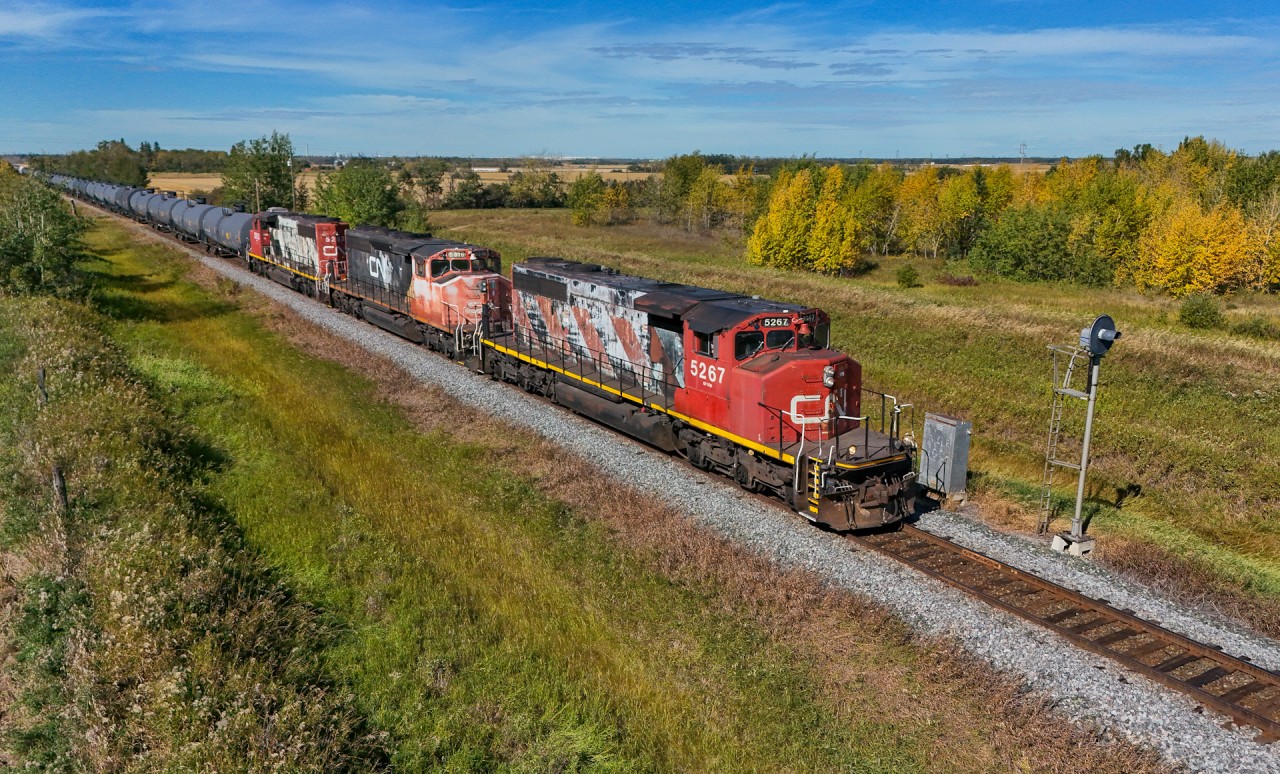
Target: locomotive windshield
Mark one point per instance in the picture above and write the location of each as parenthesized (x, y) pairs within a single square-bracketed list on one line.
[(747, 343), (779, 339), (460, 262)]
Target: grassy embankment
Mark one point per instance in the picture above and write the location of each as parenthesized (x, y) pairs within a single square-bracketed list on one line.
[(139, 633), (1187, 455), (470, 620)]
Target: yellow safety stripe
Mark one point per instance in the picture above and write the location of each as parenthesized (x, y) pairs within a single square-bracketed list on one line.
[(857, 465), (787, 458), (286, 268)]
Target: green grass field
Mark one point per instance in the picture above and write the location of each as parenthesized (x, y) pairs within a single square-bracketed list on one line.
[(486, 624), (469, 619), (1187, 440)]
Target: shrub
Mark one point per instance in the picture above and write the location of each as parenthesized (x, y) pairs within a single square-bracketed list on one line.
[(1258, 327), (908, 277), (967, 281), (1201, 310)]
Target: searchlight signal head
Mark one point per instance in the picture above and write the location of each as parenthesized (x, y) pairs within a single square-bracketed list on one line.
[(1099, 337)]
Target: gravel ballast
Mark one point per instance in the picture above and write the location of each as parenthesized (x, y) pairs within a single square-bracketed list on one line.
[(1085, 687)]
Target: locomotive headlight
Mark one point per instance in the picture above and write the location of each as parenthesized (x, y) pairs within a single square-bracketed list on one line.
[(853, 451), (829, 377)]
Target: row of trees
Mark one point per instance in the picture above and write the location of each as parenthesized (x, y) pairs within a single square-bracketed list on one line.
[(1200, 219), (691, 191), (112, 161), (115, 161), (39, 237)]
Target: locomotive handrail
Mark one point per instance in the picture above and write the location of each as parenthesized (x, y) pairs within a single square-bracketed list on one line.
[(573, 359)]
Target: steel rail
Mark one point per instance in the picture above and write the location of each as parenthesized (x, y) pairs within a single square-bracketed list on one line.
[(1243, 691)]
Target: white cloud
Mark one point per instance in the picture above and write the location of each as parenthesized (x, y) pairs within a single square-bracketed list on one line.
[(415, 79), (39, 22)]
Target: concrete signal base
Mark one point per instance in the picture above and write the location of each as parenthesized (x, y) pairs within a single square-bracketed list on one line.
[(1064, 543)]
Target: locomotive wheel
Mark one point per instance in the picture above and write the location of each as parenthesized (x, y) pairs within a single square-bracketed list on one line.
[(744, 478)]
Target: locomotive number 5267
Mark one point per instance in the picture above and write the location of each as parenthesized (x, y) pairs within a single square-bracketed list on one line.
[(712, 374)]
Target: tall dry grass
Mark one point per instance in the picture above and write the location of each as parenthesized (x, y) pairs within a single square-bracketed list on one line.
[(148, 636)]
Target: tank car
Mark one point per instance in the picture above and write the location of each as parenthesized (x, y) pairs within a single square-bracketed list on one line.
[(737, 384)]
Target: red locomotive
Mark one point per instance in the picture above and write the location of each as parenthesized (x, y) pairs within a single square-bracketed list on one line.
[(739, 385)]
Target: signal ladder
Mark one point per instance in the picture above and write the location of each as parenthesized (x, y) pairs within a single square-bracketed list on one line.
[(1062, 390)]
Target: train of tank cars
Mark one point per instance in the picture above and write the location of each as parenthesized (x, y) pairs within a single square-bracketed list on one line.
[(738, 385)]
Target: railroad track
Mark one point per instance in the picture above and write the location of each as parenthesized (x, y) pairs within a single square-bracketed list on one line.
[(1244, 692)]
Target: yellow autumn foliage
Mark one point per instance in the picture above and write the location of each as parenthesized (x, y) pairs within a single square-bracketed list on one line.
[(1190, 250), (835, 239), (781, 235)]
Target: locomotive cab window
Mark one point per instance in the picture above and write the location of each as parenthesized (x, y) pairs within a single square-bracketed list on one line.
[(747, 343), (780, 339), (822, 336), (460, 264), (439, 267), (420, 267), (704, 344)]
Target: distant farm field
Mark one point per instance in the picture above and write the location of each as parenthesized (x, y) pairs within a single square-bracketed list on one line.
[(1185, 478), (186, 183)]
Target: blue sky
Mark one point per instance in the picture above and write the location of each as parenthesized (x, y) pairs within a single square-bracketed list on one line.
[(584, 79)]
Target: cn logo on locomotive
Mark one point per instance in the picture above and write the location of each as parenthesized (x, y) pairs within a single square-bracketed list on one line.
[(380, 267)]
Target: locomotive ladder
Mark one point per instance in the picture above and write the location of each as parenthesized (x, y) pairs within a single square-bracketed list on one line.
[(1061, 391), (814, 483)]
